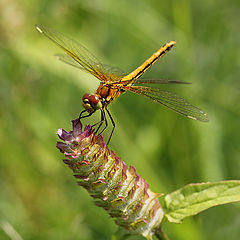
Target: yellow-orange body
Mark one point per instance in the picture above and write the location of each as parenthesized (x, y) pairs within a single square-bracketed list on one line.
[(114, 83), (110, 91)]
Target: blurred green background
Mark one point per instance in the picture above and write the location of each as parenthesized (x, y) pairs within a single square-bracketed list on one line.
[(39, 198)]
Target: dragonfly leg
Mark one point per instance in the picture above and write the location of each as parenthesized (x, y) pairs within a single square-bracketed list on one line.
[(100, 122), (80, 115), (113, 123), (104, 120)]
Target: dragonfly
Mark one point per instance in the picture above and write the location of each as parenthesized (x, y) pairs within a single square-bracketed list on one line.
[(114, 82)]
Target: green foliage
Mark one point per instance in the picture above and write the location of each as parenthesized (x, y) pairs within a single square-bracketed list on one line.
[(195, 198), (38, 94)]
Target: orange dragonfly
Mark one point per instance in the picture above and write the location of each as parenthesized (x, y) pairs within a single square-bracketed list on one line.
[(113, 82)]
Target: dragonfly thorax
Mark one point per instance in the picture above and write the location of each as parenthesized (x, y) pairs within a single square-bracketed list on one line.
[(91, 102)]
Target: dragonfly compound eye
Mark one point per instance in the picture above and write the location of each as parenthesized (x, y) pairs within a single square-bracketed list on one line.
[(91, 102)]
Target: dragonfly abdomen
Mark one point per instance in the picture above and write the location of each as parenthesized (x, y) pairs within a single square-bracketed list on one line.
[(148, 63)]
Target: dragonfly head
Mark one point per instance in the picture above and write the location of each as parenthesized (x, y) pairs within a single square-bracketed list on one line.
[(91, 102)]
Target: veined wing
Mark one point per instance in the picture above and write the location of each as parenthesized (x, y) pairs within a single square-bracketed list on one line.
[(77, 54), (114, 73), (170, 100), (158, 81)]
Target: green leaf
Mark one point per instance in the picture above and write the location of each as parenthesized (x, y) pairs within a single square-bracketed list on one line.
[(194, 198)]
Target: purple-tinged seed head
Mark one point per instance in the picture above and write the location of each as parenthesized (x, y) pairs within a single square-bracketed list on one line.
[(115, 187)]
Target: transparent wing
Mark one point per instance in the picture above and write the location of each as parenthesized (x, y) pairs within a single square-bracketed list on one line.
[(171, 101), (69, 60), (113, 73), (158, 81), (77, 54)]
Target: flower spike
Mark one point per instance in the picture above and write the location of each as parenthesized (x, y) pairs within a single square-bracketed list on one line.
[(122, 192)]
